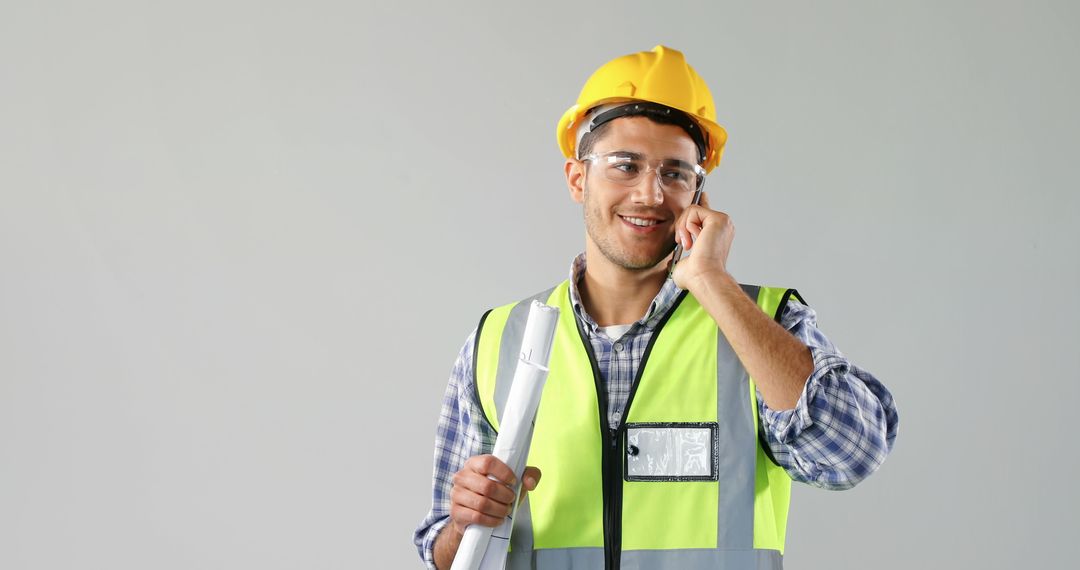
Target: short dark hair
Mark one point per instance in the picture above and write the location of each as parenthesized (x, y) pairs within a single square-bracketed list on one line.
[(589, 139)]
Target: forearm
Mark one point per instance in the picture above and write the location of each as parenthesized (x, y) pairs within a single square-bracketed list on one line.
[(777, 361), (446, 546)]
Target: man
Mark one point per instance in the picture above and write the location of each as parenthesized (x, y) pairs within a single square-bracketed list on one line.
[(677, 410)]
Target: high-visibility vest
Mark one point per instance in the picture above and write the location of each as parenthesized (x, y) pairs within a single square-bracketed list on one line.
[(685, 481)]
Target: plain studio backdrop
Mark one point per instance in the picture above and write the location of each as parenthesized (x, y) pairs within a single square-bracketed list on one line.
[(242, 243)]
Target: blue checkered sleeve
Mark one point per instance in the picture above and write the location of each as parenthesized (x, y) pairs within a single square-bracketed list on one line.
[(460, 434), (844, 423)]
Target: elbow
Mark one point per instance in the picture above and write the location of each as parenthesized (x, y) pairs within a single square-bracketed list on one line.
[(845, 433), (852, 462), (853, 466), (845, 476)]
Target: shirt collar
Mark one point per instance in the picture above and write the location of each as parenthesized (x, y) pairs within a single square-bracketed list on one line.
[(657, 309)]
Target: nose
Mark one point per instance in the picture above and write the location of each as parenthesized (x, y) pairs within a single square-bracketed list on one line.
[(647, 191)]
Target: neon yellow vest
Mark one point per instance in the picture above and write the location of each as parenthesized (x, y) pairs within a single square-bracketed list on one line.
[(591, 510)]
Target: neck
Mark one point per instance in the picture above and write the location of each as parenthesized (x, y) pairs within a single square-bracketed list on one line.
[(614, 295)]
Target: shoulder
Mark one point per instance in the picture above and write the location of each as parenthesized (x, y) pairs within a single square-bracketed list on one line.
[(776, 301), (497, 316)]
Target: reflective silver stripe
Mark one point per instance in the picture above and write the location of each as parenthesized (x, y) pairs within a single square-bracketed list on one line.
[(751, 291), (738, 451), (570, 559), (510, 349), (704, 559), (521, 540), (521, 536), (683, 559)]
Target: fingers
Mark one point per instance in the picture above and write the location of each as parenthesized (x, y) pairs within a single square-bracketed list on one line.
[(684, 238), (477, 475), (467, 507), (491, 465), (482, 492), (690, 224), (694, 219)]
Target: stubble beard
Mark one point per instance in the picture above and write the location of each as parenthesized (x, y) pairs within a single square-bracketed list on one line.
[(609, 246)]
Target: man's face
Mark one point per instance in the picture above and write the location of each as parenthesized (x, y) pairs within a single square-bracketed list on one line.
[(611, 210)]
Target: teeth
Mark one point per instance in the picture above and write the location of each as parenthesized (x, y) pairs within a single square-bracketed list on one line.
[(641, 222)]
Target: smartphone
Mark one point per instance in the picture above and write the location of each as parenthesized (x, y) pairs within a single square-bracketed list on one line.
[(678, 247)]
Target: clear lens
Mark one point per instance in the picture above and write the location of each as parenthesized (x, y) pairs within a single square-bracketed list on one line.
[(626, 169)]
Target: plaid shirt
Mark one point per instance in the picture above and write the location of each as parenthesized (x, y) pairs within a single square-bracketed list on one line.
[(839, 432)]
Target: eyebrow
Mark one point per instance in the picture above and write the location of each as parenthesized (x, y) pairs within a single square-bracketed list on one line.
[(638, 156)]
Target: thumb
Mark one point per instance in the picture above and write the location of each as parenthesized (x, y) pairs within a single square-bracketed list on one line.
[(530, 478)]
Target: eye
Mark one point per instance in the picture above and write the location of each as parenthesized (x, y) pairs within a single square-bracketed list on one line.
[(676, 174)]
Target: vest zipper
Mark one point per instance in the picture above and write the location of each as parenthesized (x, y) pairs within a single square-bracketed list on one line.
[(613, 478), (611, 456)]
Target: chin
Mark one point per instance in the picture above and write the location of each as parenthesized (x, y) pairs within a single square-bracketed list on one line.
[(641, 262), (648, 261)]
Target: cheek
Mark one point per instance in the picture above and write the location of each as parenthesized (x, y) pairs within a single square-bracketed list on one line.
[(678, 207), (595, 202)]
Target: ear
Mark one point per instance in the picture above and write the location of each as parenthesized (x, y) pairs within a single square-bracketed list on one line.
[(575, 179)]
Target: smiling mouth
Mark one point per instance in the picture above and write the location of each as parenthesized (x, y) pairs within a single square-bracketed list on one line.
[(641, 222)]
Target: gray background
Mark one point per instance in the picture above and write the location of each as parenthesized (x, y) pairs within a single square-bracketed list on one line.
[(242, 242)]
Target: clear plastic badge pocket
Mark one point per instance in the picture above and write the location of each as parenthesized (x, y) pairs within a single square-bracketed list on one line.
[(671, 451)]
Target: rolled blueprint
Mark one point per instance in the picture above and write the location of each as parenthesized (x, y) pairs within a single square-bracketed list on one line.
[(484, 548)]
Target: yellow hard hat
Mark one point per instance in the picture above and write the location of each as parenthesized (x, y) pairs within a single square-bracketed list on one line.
[(658, 76)]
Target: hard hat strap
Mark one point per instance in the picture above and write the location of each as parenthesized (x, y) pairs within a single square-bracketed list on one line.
[(660, 113)]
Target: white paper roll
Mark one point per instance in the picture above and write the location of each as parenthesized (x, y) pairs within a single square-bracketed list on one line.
[(484, 548)]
